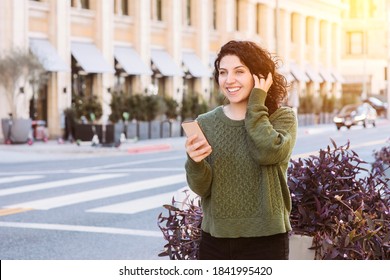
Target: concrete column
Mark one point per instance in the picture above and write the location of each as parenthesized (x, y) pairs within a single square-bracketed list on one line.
[(173, 18), (248, 18), (203, 27), (266, 32), (284, 40), (142, 42), (227, 20), (104, 41), (59, 36)]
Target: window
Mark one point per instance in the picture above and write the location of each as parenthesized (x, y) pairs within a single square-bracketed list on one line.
[(81, 4), (356, 9), (355, 43), (373, 9), (125, 7), (157, 14), (237, 10), (188, 19), (214, 14), (258, 19), (84, 4)]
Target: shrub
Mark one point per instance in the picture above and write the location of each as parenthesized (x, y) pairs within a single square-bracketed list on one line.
[(382, 158), (335, 199), (181, 228), (341, 204), (84, 106)]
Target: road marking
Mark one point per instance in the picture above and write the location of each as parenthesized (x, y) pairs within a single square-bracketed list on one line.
[(89, 229), (59, 201), (352, 147), (129, 170), (116, 165), (18, 179), (136, 205), (57, 184), (6, 212)]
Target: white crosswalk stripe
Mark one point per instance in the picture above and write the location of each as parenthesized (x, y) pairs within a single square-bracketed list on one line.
[(136, 205), (58, 183), (86, 196), (13, 179)]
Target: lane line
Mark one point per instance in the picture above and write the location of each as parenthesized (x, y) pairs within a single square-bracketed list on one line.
[(19, 178), (57, 184), (6, 212), (136, 205), (65, 200), (351, 147), (88, 229), (116, 165)]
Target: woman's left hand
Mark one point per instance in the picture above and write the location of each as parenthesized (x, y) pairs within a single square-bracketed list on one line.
[(263, 83)]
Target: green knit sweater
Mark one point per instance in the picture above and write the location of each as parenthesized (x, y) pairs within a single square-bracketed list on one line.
[(243, 183)]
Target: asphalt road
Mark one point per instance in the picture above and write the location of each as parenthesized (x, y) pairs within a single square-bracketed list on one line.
[(69, 202)]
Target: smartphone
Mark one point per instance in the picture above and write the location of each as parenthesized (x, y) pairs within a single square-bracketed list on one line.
[(192, 127)]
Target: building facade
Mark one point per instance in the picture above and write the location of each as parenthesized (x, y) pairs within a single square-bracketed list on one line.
[(365, 50), (167, 47)]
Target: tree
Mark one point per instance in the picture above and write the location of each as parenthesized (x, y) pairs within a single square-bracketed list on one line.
[(19, 69)]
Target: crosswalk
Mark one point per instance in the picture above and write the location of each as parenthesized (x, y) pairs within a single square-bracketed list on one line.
[(155, 186)]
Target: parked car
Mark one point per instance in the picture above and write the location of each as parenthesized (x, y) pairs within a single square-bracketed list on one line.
[(379, 105), (357, 114)]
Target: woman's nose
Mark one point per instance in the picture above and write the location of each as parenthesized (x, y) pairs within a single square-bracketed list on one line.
[(230, 78)]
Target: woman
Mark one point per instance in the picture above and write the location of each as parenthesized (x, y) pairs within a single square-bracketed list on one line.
[(240, 174)]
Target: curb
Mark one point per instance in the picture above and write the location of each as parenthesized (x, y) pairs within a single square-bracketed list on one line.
[(149, 148)]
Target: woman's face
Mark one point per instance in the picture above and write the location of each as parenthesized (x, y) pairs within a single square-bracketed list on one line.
[(235, 79)]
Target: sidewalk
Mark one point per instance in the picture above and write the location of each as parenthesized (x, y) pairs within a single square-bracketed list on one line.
[(52, 150)]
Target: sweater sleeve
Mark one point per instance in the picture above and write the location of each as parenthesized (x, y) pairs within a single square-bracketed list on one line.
[(271, 139), (199, 176)]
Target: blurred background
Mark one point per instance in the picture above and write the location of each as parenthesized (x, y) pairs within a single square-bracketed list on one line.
[(153, 59)]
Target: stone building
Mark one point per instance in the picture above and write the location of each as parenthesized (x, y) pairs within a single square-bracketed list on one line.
[(95, 47)]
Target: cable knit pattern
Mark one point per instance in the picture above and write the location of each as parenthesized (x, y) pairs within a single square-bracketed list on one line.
[(243, 182)]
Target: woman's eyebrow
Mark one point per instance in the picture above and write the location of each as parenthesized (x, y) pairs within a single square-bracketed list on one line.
[(240, 66)]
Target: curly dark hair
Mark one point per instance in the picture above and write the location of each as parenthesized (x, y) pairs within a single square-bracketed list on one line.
[(260, 62)]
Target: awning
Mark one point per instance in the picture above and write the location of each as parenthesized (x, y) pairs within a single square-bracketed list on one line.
[(90, 58), (165, 64), (47, 55), (212, 58), (194, 65), (289, 77), (340, 79), (313, 75), (298, 74), (130, 61), (327, 76)]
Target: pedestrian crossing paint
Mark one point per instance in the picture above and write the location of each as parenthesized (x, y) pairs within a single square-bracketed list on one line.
[(137, 205), (57, 184), (75, 198), (86, 229), (19, 178)]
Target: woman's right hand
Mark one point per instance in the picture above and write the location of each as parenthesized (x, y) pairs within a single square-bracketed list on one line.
[(197, 150)]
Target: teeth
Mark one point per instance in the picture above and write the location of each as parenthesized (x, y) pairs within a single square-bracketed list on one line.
[(233, 89)]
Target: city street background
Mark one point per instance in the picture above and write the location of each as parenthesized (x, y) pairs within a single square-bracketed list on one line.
[(63, 201)]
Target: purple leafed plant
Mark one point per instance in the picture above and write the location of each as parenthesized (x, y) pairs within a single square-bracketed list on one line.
[(343, 205), (181, 228)]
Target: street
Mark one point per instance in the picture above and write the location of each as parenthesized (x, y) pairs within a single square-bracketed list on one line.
[(105, 205)]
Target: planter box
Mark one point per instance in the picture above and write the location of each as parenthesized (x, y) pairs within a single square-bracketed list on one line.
[(84, 132), (299, 247), (21, 130)]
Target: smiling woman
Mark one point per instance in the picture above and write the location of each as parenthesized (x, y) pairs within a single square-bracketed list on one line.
[(240, 173)]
